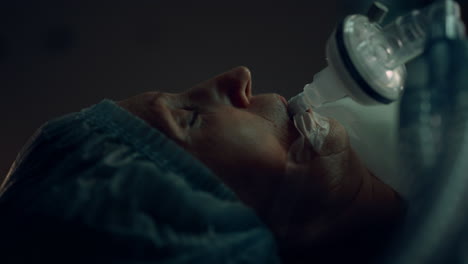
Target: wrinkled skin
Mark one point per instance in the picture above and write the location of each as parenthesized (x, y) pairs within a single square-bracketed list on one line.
[(244, 139)]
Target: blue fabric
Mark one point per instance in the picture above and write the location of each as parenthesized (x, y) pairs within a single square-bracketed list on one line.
[(101, 185)]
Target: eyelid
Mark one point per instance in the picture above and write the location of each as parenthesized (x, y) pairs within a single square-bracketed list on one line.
[(195, 114), (191, 120)]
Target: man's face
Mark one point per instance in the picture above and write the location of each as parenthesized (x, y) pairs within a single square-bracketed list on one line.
[(243, 138)]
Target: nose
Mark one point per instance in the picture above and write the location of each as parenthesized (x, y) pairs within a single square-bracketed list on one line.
[(236, 86)]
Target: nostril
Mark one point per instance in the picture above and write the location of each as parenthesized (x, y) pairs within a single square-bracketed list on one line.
[(236, 85), (239, 98), (245, 77), (248, 90)]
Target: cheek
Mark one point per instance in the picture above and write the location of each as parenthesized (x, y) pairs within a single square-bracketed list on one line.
[(247, 156), (274, 110), (240, 147)]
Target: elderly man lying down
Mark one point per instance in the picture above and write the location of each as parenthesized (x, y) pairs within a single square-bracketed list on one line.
[(211, 175)]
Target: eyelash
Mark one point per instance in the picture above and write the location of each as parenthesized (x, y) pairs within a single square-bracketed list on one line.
[(194, 117), (195, 114)]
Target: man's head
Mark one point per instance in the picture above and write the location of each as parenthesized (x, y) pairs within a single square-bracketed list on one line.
[(244, 139)]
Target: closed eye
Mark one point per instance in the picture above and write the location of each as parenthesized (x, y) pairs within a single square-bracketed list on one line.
[(191, 119), (194, 117)]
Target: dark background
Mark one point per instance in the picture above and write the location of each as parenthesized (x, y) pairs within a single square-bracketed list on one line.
[(57, 57)]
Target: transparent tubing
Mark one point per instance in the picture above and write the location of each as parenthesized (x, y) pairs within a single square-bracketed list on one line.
[(405, 38)]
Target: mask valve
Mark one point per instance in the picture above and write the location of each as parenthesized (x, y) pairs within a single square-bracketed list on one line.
[(367, 61)]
